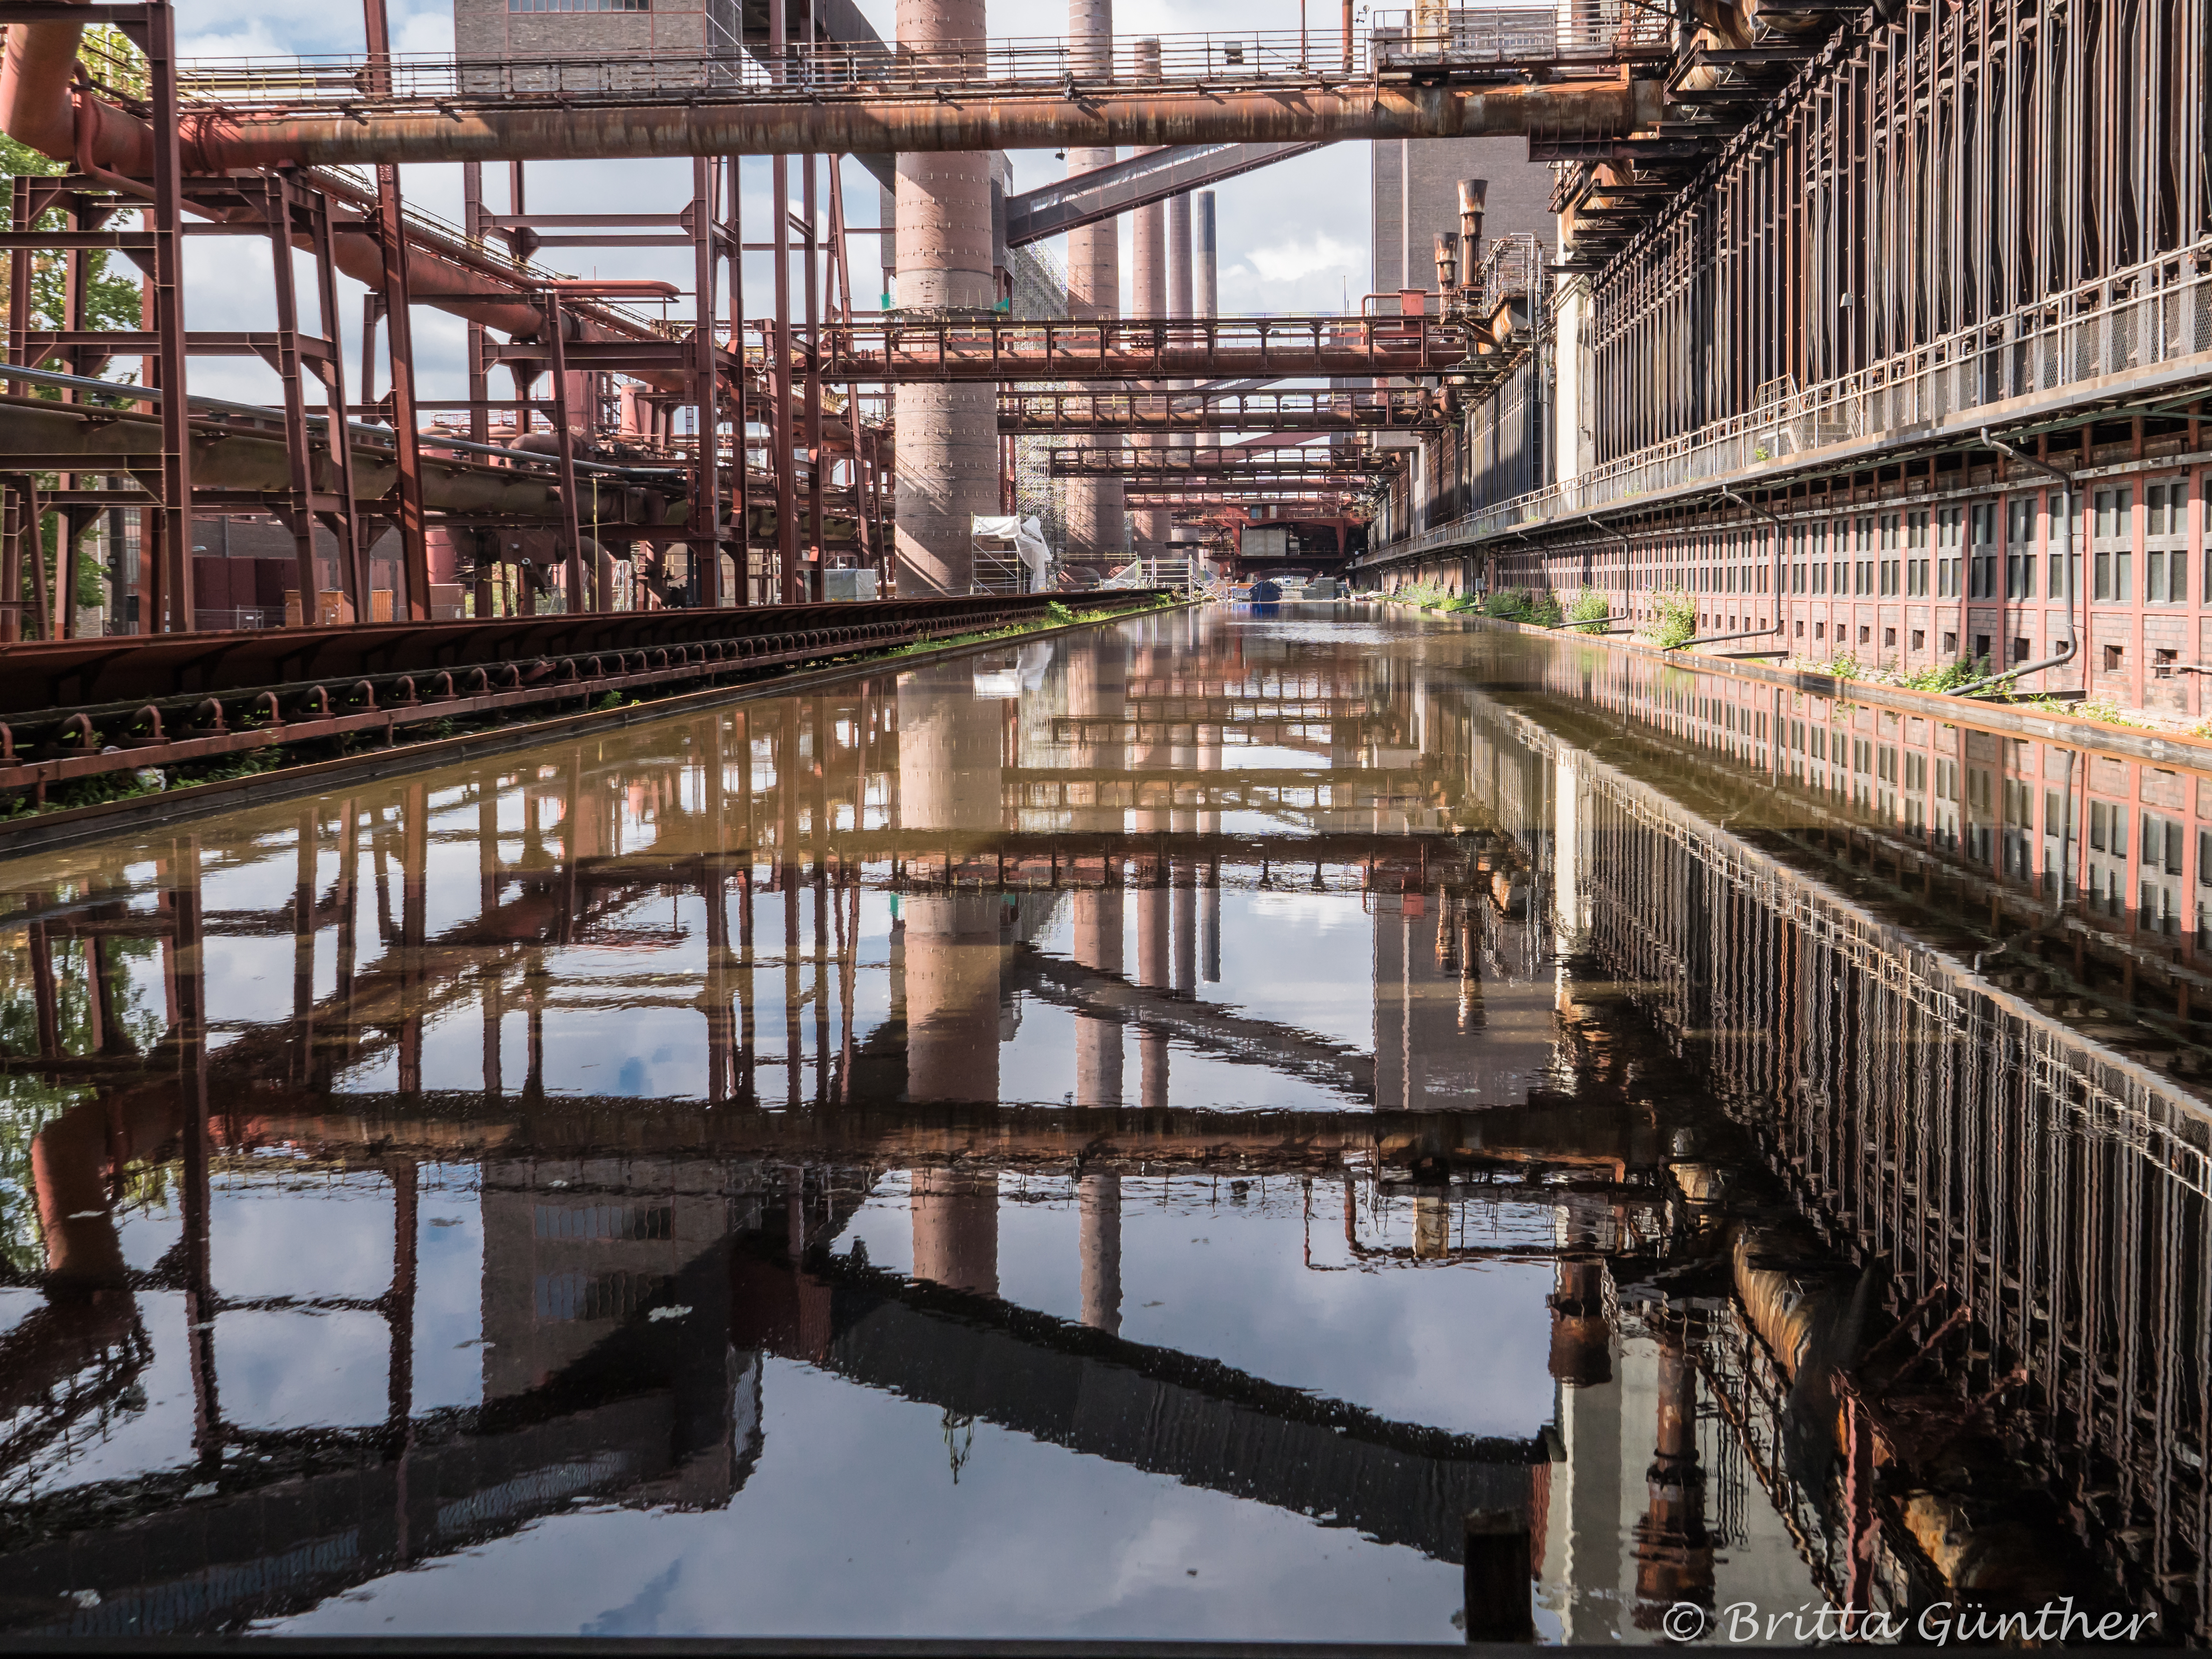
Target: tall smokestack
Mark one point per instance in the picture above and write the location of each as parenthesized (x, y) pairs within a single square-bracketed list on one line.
[(1179, 270), (1097, 531), (948, 442), (1205, 294)]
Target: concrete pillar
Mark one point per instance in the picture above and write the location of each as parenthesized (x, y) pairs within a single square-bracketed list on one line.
[(949, 779), (1153, 753), (955, 1229), (1098, 927), (1674, 1550), (1098, 1201), (1152, 970), (1209, 824), (1098, 695), (1432, 1219), (1148, 297), (1186, 930), (948, 447), (1098, 528)]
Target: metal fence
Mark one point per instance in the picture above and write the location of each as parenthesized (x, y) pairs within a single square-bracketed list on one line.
[(1611, 33)]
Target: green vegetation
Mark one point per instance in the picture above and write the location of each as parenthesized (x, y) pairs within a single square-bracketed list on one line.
[(1590, 607), (1947, 677), (1509, 605), (1429, 596), (1673, 621), (111, 298), (29, 1101)]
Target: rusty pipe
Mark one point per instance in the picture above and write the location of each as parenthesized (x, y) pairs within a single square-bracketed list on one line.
[(760, 126), (40, 63), (39, 108), (1474, 196)]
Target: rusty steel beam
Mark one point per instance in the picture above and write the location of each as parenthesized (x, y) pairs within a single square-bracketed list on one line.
[(1353, 468), (229, 457), (75, 708), (894, 350), (707, 122), (1363, 410)]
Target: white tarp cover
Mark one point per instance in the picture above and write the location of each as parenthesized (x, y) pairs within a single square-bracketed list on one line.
[(1024, 536)]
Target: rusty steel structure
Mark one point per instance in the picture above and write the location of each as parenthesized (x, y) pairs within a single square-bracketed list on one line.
[(1289, 465), (1892, 341), (746, 469), (898, 350), (1361, 409), (954, 95), (2020, 1412), (73, 709)]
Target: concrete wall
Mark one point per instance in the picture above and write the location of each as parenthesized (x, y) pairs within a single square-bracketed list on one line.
[(1520, 199)]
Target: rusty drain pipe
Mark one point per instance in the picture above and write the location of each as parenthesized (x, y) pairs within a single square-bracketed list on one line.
[(1752, 633), (2067, 651)]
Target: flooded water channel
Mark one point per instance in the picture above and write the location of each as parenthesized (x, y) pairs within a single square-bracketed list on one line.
[(1317, 1126)]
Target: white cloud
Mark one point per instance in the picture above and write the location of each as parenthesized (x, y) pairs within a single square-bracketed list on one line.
[(1286, 261)]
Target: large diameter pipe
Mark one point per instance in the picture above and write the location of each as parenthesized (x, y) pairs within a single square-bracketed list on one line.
[(901, 123), (37, 109), (34, 87)]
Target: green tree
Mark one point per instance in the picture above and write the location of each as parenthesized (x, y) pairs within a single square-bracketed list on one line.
[(110, 300), (111, 295)]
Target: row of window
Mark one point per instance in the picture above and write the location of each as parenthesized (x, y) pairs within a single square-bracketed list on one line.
[(578, 5), (1964, 547)]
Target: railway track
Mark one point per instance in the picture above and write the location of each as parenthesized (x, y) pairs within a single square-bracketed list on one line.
[(72, 710)]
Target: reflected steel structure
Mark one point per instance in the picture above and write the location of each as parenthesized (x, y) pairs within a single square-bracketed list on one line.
[(1893, 337), (2028, 1182)]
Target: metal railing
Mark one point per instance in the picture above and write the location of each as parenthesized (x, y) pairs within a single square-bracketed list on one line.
[(2154, 314), (1182, 573), (236, 618), (1136, 348), (1510, 35), (1612, 33), (1330, 410)]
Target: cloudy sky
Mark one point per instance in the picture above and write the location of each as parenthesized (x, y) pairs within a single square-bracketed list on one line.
[(1278, 252)]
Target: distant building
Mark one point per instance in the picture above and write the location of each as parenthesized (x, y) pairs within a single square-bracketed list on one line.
[(1417, 194), (568, 28)]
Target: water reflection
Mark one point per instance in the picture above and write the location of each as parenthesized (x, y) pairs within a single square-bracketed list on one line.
[(699, 1181)]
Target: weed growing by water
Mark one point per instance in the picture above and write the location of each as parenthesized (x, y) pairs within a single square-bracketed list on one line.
[(1590, 607), (1673, 621)]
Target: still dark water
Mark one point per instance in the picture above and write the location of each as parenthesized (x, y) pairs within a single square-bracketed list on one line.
[(1140, 1136)]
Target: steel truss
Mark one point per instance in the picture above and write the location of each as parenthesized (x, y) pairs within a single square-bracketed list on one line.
[(702, 435)]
